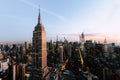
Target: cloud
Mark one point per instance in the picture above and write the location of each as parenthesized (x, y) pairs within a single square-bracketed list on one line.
[(60, 17)]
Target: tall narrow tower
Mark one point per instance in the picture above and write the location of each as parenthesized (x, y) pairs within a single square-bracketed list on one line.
[(40, 51), (106, 48), (82, 44), (82, 41)]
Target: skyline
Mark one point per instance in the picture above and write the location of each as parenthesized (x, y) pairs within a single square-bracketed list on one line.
[(18, 19)]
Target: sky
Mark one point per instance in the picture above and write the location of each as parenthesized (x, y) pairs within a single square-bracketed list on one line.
[(98, 19)]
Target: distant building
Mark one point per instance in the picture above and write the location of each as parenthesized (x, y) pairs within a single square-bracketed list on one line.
[(111, 48), (88, 44), (106, 48), (82, 41), (82, 46), (26, 45), (69, 50), (61, 54)]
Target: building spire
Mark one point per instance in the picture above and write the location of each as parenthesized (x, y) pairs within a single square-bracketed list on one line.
[(82, 35), (105, 40), (39, 17)]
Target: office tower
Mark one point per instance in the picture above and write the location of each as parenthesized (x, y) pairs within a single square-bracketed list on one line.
[(26, 45), (69, 50), (82, 40), (40, 51), (61, 53), (106, 48), (82, 44)]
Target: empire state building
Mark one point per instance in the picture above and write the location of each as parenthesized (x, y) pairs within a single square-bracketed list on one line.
[(40, 51)]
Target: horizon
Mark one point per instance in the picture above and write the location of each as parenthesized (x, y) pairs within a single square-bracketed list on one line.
[(99, 19)]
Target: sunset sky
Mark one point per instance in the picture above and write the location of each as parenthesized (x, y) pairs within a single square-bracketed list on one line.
[(66, 18)]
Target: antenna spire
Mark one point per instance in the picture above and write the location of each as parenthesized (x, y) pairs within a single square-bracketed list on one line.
[(39, 17)]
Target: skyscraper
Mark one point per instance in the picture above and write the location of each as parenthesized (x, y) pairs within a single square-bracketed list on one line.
[(106, 48), (40, 51), (82, 44)]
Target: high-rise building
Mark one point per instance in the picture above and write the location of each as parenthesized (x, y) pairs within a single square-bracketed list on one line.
[(82, 44), (61, 54), (106, 48), (40, 51), (82, 41), (26, 45)]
